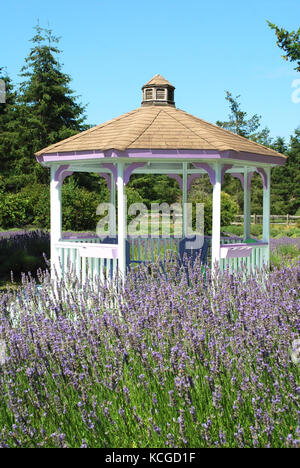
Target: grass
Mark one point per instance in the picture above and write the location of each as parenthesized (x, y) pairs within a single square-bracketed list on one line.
[(256, 230), (287, 254)]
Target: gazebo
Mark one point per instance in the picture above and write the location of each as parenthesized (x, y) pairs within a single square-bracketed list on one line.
[(156, 138)]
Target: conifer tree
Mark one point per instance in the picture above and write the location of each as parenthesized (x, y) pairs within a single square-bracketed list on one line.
[(47, 109), (294, 172), (7, 117)]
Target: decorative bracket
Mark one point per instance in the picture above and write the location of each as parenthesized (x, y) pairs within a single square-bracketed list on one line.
[(107, 177), (112, 168), (178, 178), (225, 168), (207, 168), (241, 177), (264, 176), (191, 179), (210, 171), (129, 170), (61, 173), (249, 178)]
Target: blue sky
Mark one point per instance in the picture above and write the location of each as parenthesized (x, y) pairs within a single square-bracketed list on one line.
[(111, 48)]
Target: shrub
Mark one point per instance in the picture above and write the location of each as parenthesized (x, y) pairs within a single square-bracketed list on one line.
[(229, 209), (14, 209), (28, 207), (31, 207), (78, 207)]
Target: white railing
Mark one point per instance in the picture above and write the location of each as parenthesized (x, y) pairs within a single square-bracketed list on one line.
[(253, 256), (94, 263), (142, 248), (149, 249), (84, 259)]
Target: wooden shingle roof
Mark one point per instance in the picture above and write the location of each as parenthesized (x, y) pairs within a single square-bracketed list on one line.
[(158, 127)]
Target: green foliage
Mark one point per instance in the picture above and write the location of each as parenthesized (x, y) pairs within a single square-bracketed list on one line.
[(285, 180), (284, 254), (276, 231), (285, 188), (28, 207), (239, 124), (155, 188), (14, 210), (7, 116), (31, 207), (229, 209), (43, 112), (133, 196), (289, 42), (79, 207)]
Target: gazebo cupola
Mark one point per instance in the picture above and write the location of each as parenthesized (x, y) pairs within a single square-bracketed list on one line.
[(158, 92)]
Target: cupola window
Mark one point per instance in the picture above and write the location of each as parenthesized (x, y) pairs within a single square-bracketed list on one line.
[(161, 93), (148, 94)]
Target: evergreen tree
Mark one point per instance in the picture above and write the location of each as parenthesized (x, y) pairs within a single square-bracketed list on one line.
[(7, 116), (285, 188), (47, 109), (293, 164)]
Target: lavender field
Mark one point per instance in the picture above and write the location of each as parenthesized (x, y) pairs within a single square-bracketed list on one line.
[(164, 362)]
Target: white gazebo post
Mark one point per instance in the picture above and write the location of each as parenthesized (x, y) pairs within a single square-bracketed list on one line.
[(121, 220), (112, 219), (247, 206), (216, 218), (266, 215), (56, 221), (184, 199)]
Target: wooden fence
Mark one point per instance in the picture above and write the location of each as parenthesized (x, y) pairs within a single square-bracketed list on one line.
[(274, 219)]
